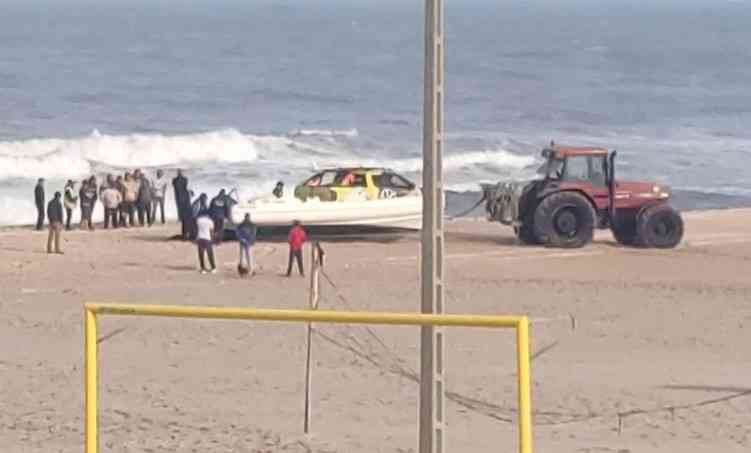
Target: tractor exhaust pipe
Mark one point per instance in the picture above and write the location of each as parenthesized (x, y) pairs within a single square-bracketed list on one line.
[(611, 187)]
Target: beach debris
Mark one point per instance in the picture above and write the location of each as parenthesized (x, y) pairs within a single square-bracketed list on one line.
[(111, 334)]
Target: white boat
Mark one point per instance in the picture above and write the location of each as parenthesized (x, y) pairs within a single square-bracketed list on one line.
[(363, 197)]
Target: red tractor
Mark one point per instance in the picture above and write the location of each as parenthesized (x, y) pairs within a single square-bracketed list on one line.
[(578, 193)]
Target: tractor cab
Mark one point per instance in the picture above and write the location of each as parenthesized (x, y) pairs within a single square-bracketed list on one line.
[(568, 164)]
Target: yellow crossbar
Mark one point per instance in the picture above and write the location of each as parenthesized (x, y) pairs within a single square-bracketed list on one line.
[(342, 317), (520, 323)]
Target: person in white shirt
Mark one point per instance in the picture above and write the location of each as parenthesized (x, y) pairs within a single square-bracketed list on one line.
[(204, 240), (159, 188), (111, 199)]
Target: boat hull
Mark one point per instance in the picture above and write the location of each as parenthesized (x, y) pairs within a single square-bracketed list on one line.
[(398, 213)]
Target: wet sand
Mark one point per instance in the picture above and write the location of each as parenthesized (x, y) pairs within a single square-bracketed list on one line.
[(660, 337)]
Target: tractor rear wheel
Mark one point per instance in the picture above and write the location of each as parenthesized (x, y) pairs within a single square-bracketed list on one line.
[(565, 220), (659, 226)]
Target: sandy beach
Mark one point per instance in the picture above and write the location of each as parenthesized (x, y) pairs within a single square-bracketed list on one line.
[(653, 342)]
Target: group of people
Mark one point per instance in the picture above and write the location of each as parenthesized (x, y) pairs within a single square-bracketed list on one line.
[(121, 197), (203, 221), (189, 209), (124, 196)]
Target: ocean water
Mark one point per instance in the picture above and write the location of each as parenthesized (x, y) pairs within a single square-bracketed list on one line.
[(241, 94)]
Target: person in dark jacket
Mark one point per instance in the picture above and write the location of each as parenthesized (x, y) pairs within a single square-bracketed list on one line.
[(55, 218), (88, 197), (144, 200), (218, 212), (123, 208), (219, 209), (246, 236), (93, 186), (39, 201), (182, 201)]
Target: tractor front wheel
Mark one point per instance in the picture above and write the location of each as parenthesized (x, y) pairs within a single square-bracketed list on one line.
[(624, 229), (659, 226), (565, 220)]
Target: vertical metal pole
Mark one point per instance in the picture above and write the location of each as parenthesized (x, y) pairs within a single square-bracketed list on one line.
[(313, 305), (90, 381), (308, 381), (525, 399), (431, 342)]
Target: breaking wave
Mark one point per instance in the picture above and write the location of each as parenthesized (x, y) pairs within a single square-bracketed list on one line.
[(77, 157)]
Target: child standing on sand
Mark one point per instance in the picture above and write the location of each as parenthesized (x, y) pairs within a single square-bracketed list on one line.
[(296, 239)]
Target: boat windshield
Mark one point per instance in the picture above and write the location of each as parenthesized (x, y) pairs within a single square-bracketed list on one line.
[(325, 178)]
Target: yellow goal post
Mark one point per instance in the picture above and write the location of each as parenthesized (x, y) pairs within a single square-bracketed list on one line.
[(91, 311)]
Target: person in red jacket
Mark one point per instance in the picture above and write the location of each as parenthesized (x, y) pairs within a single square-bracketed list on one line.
[(296, 239)]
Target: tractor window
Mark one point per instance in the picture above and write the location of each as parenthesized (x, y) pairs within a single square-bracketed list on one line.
[(577, 168), (599, 170), (586, 168)]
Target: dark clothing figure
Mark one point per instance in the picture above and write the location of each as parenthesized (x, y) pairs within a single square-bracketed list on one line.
[(110, 214), (218, 212), (94, 187), (246, 236), (127, 214), (199, 205), (55, 217), (82, 202), (55, 211), (182, 201), (247, 233), (295, 255), (39, 201), (68, 217), (144, 202), (278, 190), (88, 197)]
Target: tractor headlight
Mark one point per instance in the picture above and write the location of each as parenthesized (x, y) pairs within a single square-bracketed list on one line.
[(661, 192)]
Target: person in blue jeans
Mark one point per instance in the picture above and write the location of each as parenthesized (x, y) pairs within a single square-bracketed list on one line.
[(246, 236)]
